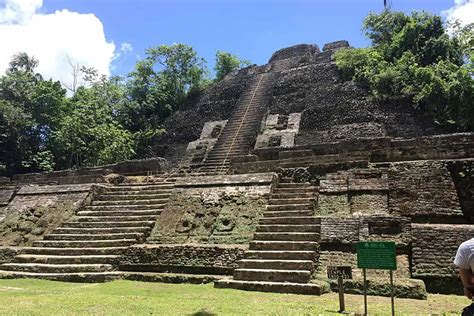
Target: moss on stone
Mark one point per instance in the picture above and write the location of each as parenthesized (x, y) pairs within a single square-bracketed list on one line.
[(220, 219), (404, 287), (22, 228), (335, 205)]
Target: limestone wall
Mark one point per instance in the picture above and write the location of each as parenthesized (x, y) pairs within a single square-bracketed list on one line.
[(187, 258), (349, 230), (295, 51), (423, 189), (37, 210), (217, 103), (93, 174), (257, 184), (225, 218), (279, 131), (434, 249), (197, 150)]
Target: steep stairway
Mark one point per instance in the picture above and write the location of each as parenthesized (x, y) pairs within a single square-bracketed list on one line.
[(238, 136), (87, 247), (284, 250)]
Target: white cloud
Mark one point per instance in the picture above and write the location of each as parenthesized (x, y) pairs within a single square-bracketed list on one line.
[(126, 47), (463, 10), (53, 39)]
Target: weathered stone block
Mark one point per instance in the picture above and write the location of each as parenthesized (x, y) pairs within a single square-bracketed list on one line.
[(333, 205)]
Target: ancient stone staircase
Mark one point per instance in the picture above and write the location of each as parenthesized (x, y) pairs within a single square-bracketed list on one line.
[(284, 251), (238, 136), (87, 247)]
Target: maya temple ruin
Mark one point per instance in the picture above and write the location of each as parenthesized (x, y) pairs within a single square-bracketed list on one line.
[(272, 175)]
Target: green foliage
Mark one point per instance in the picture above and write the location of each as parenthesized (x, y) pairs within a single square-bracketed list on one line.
[(91, 135), (161, 82), (106, 120), (30, 108), (414, 59), (159, 86), (226, 63)]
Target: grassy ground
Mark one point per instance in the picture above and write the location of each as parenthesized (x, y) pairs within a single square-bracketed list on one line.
[(39, 297)]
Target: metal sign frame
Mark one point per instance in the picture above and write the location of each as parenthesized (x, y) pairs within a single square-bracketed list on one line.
[(377, 255)]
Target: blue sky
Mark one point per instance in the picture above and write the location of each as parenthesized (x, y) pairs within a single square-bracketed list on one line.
[(92, 32), (249, 28)]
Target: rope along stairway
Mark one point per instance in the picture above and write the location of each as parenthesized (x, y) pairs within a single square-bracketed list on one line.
[(87, 247), (284, 251), (238, 136)]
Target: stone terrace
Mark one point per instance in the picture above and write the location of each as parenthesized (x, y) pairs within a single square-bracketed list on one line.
[(274, 174)]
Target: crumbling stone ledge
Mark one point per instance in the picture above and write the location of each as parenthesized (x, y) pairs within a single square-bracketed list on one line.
[(186, 258), (404, 287)]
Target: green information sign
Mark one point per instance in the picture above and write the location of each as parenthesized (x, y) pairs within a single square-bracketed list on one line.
[(376, 255)]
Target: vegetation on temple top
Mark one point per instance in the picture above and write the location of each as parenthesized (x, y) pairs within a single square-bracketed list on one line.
[(418, 60)]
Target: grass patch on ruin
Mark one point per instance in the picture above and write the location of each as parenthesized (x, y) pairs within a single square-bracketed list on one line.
[(40, 297)]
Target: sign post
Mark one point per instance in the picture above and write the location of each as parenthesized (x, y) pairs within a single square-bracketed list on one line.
[(340, 273), (377, 255)]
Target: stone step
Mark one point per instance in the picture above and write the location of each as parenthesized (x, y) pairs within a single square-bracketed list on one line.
[(287, 207), (240, 141), (294, 185), (283, 245), (293, 195), (276, 287), (52, 259), (97, 230), (306, 265), (217, 167), (289, 220), (171, 277), (124, 207), (270, 275), (124, 196), (289, 228), (130, 202), (92, 277), (218, 160), (226, 152), (286, 236), (113, 236), (74, 251), (140, 188), (133, 193), (56, 268), (281, 254), (245, 134), (84, 243), (275, 201), (309, 189), (121, 213), (298, 213), (222, 155), (211, 164), (124, 218), (114, 224), (250, 113)]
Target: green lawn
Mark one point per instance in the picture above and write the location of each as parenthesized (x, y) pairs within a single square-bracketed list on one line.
[(39, 297)]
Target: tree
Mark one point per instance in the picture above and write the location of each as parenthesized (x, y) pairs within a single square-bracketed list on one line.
[(160, 85), (91, 133), (30, 110), (226, 63), (413, 59), (23, 62)]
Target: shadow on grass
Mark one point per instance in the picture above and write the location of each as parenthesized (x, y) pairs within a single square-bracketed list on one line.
[(203, 312)]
